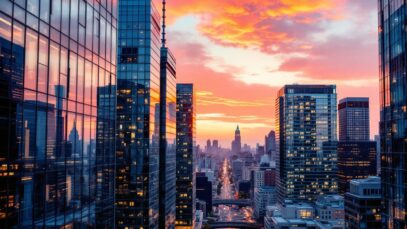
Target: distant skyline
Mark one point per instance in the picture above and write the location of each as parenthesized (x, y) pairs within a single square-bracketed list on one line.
[(239, 53)]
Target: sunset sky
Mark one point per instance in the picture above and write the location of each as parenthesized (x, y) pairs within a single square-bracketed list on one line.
[(238, 53)]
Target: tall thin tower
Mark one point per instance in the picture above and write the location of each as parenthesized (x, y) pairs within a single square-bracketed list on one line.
[(167, 176)]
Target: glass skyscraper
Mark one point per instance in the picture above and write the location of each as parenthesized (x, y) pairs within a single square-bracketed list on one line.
[(186, 158), (354, 122), (138, 115), (57, 119), (393, 102), (356, 153), (167, 136), (306, 134)]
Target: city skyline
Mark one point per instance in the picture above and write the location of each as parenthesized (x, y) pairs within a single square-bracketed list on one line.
[(229, 45), (203, 114)]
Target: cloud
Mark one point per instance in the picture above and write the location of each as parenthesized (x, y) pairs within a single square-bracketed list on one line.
[(268, 25)]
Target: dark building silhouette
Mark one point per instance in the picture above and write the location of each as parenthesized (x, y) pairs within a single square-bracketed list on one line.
[(270, 145), (237, 143), (244, 188), (186, 156), (204, 191), (356, 160)]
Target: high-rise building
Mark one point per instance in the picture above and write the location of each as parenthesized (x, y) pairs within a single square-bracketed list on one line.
[(270, 144), (215, 144), (356, 160), (354, 122), (168, 134), (208, 146), (393, 104), (363, 204), (57, 119), (204, 191), (306, 132), (356, 153), (186, 158), (138, 115), (237, 143)]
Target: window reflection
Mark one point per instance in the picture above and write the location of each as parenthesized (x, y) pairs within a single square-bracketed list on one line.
[(80, 84), (5, 27), (18, 34), (72, 76), (88, 82), (43, 51), (56, 14), (45, 10), (30, 78), (54, 67), (33, 6)]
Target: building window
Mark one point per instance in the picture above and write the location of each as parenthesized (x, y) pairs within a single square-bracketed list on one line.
[(129, 55)]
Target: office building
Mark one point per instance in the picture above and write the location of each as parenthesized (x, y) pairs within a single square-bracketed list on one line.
[(363, 204), (354, 122), (356, 160), (57, 120), (204, 191), (330, 208), (263, 197), (237, 143), (167, 170), (392, 66), (306, 132), (237, 170), (270, 145), (186, 158), (138, 115)]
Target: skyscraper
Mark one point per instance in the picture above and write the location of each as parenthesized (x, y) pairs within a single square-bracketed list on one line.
[(393, 104), (270, 144), (354, 122), (138, 114), (168, 134), (237, 143), (356, 153), (306, 132), (356, 160), (186, 158), (57, 120), (363, 204)]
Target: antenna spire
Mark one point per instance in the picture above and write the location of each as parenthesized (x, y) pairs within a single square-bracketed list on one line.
[(164, 40)]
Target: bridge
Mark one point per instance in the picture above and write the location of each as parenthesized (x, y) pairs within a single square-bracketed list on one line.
[(240, 203), (241, 225)]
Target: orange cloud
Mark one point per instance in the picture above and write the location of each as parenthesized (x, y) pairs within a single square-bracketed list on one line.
[(256, 23)]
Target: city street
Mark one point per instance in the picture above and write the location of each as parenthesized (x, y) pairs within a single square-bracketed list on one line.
[(231, 213)]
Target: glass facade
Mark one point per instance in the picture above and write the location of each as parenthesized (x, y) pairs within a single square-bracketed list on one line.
[(354, 123), (306, 134), (356, 160), (393, 103), (186, 158), (167, 140), (57, 119), (138, 115)]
